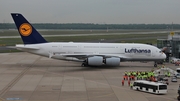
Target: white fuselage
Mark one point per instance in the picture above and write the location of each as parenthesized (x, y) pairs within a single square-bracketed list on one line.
[(92, 54), (76, 51)]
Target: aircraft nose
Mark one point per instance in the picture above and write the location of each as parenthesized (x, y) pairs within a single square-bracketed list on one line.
[(164, 55)]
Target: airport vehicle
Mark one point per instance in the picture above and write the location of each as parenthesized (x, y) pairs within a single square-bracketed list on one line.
[(178, 75), (162, 79), (165, 81), (175, 60), (90, 54), (178, 70), (177, 63), (173, 79), (151, 87)]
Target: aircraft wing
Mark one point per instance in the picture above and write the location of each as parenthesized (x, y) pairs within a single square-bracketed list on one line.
[(83, 56), (76, 55)]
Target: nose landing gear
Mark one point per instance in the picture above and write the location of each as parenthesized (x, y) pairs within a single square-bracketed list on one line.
[(155, 64)]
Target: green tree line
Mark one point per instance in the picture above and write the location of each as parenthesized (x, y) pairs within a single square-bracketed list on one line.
[(94, 26)]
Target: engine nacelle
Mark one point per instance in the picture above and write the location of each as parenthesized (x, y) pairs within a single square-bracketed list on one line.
[(95, 61), (113, 61)]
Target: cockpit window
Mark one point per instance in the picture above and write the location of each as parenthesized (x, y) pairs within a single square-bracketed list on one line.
[(160, 51)]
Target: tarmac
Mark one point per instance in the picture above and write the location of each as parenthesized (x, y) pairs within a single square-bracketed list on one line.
[(28, 77)]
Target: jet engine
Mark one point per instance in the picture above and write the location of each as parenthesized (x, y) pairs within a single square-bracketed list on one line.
[(95, 61), (113, 61), (99, 60)]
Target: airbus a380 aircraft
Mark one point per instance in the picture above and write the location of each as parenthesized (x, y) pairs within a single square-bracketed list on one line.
[(92, 54)]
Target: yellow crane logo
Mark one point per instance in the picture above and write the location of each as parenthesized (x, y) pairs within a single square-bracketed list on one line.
[(25, 29)]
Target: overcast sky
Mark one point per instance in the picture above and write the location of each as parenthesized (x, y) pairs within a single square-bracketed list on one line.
[(93, 11)]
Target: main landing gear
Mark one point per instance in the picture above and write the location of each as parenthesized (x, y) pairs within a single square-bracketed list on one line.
[(155, 64), (83, 64)]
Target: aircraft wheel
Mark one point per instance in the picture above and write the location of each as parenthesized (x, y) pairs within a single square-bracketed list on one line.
[(155, 65), (178, 98), (83, 64)]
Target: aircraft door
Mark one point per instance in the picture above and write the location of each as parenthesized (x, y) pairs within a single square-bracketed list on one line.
[(79, 47), (122, 50), (153, 54), (60, 47)]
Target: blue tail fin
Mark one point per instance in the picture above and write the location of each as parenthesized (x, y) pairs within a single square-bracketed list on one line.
[(28, 33)]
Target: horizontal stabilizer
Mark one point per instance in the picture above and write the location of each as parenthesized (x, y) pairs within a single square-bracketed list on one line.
[(12, 47), (27, 47)]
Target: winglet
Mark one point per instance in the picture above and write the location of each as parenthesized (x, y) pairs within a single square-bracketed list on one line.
[(28, 33)]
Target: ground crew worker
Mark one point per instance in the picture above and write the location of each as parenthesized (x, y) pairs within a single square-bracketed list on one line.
[(131, 85), (153, 79), (124, 77), (129, 82), (122, 82), (139, 73), (133, 78), (145, 77), (163, 66), (153, 74), (166, 74), (142, 77), (134, 73), (137, 77), (144, 73), (169, 74), (129, 73), (125, 73)]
